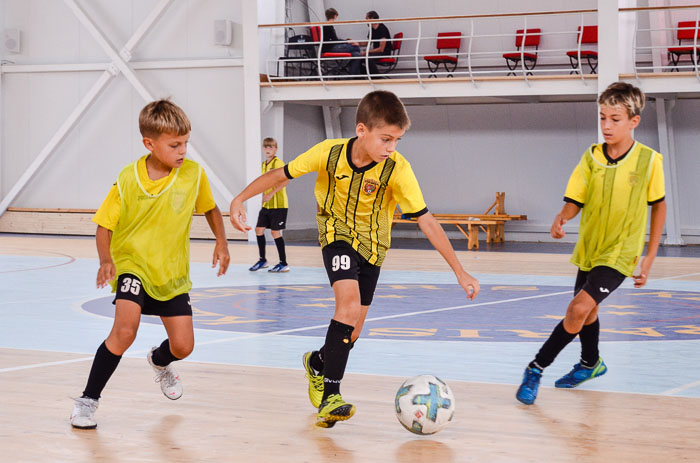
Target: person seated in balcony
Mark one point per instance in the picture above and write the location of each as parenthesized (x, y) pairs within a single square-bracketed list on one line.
[(379, 42), (329, 35)]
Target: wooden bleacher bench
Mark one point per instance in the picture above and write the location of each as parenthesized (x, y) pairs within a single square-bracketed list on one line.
[(493, 224)]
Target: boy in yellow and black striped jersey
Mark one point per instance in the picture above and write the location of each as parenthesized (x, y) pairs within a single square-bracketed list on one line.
[(273, 214), (614, 184), (360, 181), (143, 242)]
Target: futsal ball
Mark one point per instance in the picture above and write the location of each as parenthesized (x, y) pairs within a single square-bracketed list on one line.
[(424, 404)]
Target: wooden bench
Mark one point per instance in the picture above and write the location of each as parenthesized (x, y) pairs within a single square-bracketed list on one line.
[(493, 224)]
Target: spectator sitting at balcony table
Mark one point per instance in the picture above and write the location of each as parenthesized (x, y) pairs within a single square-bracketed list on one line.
[(379, 43), (329, 35)]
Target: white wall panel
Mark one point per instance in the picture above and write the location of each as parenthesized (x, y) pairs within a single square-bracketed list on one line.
[(84, 166), (685, 119), (303, 128)]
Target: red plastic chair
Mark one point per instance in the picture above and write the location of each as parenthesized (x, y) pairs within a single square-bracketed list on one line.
[(590, 36), (687, 30), (334, 67), (446, 40), (532, 39), (389, 63)]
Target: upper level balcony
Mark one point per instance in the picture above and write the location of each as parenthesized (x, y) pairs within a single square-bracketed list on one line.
[(541, 56)]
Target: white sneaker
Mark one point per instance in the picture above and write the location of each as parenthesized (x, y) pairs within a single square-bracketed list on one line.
[(169, 380), (83, 416)]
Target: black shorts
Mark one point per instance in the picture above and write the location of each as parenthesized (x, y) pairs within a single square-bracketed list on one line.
[(274, 219), (344, 263), (129, 287), (599, 282)]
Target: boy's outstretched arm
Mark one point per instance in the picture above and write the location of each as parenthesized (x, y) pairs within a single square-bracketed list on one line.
[(221, 255), (567, 213), (268, 196), (437, 237), (658, 218), (257, 186), (107, 269)]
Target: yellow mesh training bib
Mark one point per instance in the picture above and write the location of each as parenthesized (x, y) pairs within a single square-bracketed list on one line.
[(614, 215), (151, 239)]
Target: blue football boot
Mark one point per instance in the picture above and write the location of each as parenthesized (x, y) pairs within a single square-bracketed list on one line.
[(580, 374), (527, 392), (262, 263)]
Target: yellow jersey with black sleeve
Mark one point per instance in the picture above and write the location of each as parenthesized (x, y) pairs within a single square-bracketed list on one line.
[(614, 195), (279, 199), (150, 238), (356, 205)]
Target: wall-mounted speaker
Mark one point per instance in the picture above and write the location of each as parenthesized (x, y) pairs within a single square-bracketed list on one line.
[(223, 32), (11, 40)]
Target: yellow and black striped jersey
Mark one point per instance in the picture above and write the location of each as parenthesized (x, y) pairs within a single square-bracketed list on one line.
[(279, 199), (615, 195), (356, 205)]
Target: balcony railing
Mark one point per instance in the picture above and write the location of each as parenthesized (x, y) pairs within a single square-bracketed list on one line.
[(562, 49)]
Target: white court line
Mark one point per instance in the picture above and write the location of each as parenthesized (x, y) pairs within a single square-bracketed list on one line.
[(63, 362), (306, 328), (47, 364), (678, 389), (677, 276), (386, 317)]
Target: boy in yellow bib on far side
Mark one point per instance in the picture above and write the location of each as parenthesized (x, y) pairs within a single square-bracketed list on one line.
[(613, 185), (143, 244)]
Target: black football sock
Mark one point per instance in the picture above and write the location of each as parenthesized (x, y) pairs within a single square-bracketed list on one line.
[(280, 250), (550, 349), (589, 344), (316, 360), (335, 356), (162, 356), (103, 366), (261, 245)]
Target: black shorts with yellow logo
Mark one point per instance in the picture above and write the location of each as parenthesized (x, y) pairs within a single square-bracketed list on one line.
[(129, 287), (344, 263)]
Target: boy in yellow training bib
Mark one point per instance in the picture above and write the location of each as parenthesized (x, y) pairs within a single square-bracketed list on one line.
[(143, 245), (614, 184)]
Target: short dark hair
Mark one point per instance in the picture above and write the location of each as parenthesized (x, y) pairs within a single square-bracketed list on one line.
[(163, 116), (382, 108), (331, 13), (623, 94), (372, 14)]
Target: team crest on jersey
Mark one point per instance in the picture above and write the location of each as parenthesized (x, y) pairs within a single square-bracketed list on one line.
[(370, 186), (634, 178), (177, 199)]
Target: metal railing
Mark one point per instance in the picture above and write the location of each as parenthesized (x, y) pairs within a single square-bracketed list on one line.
[(306, 59), (661, 53)]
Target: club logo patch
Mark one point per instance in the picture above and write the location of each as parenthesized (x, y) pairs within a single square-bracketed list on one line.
[(370, 186), (178, 198), (633, 178)]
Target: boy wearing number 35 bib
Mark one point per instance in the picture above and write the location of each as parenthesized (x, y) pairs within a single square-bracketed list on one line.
[(143, 246)]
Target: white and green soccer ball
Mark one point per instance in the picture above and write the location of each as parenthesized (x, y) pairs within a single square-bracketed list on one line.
[(424, 404)]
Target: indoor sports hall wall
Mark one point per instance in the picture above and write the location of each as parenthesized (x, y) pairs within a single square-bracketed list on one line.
[(463, 154), (79, 173)]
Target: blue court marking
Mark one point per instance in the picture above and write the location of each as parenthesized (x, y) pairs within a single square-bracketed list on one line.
[(501, 312), (41, 309)]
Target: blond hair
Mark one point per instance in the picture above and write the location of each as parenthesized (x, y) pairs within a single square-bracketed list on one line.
[(382, 108), (623, 94), (269, 141), (163, 116)]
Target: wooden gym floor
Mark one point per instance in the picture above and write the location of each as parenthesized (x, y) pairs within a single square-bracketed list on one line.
[(245, 392)]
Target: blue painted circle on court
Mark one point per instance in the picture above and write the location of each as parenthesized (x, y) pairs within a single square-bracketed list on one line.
[(439, 312)]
